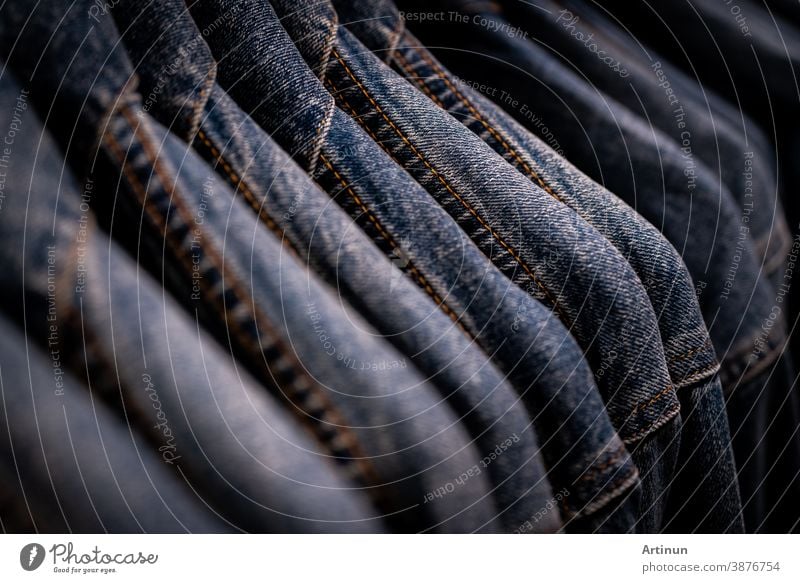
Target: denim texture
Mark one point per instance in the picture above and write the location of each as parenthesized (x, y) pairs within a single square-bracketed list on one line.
[(661, 95), (320, 233), (690, 355), (744, 316), (265, 305), (80, 296), (483, 198), (393, 208), (643, 167), (75, 465)]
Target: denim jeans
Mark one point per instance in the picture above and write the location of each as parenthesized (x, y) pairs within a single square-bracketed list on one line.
[(265, 307), (690, 356), (82, 298), (289, 203), (437, 257), (675, 193)]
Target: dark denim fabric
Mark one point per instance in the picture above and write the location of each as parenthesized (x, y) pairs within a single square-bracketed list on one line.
[(80, 296), (483, 196), (323, 235), (690, 356), (740, 157), (375, 415), (673, 191), (75, 465), (399, 215), (752, 58)]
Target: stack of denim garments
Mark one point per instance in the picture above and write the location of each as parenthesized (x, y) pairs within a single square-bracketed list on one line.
[(277, 266)]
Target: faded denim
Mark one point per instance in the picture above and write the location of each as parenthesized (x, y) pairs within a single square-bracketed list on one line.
[(690, 356), (438, 257), (264, 305), (80, 296), (643, 166), (72, 464), (319, 232)]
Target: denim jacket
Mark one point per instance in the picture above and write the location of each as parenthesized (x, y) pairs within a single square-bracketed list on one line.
[(251, 76), (319, 232), (212, 427), (690, 356), (377, 419)]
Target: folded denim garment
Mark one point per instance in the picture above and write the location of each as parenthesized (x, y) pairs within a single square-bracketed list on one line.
[(379, 421), (321, 234), (69, 464), (245, 73), (221, 437), (650, 172), (690, 356)]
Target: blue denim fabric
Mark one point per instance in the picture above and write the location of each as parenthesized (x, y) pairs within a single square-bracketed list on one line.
[(322, 234), (690, 355), (75, 465), (399, 215), (80, 296), (483, 196), (639, 164), (375, 416), (739, 157), (645, 168)]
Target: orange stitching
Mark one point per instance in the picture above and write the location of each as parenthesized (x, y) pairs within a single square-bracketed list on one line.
[(494, 132), (349, 438), (423, 282), (413, 76), (655, 398), (691, 353), (240, 185), (447, 186)]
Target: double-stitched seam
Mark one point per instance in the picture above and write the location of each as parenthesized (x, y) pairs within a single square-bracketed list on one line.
[(241, 185), (510, 250), (342, 100), (494, 132), (410, 267), (346, 440), (413, 76), (475, 214), (199, 107)]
